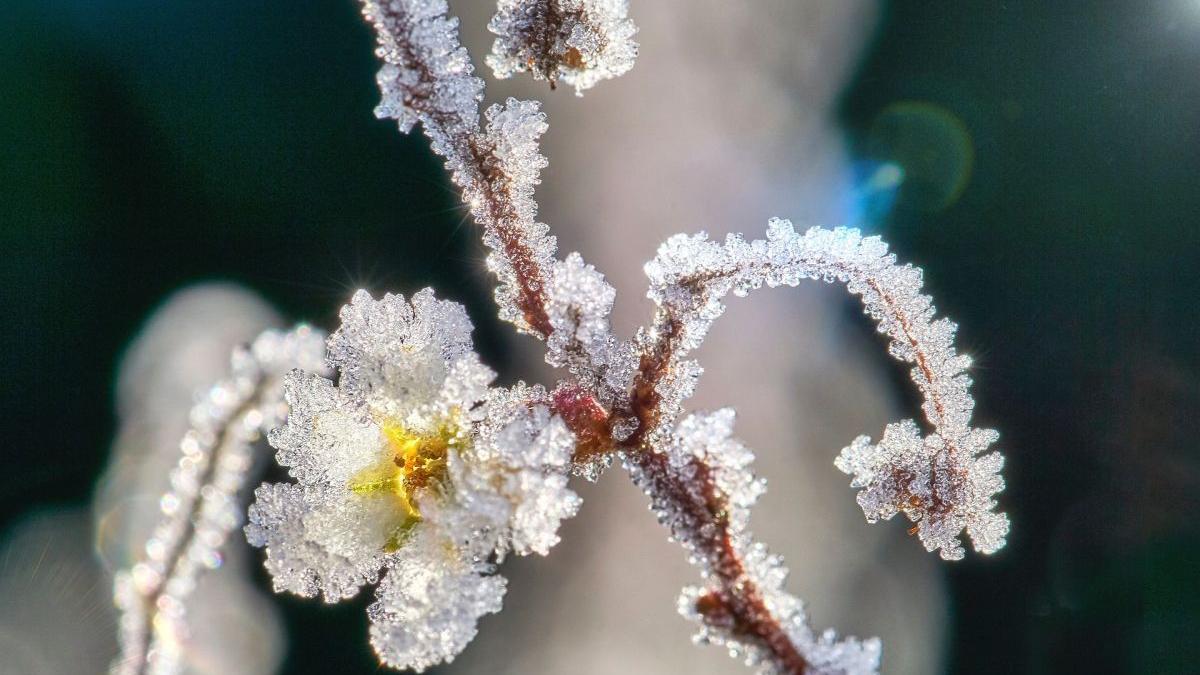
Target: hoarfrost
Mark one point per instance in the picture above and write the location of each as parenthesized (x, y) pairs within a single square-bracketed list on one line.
[(410, 471), (937, 480), (427, 74), (701, 488), (580, 303), (424, 613), (579, 42), (501, 199), (427, 77)]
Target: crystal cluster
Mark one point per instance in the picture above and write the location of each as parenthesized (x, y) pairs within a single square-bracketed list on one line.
[(413, 472), (701, 487), (916, 475), (939, 481), (579, 304), (501, 199), (203, 506), (579, 42)]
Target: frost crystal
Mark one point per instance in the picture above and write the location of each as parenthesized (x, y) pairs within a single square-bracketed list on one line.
[(501, 199), (427, 74), (203, 504), (580, 303), (701, 488), (580, 42), (942, 492), (411, 466), (938, 480), (426, 614)]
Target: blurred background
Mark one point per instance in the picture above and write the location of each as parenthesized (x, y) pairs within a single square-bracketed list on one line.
[(1039, 160)]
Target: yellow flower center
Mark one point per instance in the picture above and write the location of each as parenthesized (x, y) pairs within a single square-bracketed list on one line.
[(414, 462)]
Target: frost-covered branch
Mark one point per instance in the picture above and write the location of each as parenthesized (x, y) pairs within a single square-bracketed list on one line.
[(580, 42), (701, 487), (427, 77), (413, 472), (203, 505), (938, 481)]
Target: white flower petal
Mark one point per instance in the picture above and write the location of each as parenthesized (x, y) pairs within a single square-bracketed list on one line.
[(298, 563), (394, 354), (326, 440), (428, 607)]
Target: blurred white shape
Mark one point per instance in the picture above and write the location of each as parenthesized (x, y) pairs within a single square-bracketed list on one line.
[(184, 348), (56, 613), (204, 503)]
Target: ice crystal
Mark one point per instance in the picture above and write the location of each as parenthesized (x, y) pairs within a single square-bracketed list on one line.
[(523, 454), (579, 304), (203, 505), (428, 604), (579, 42), (701, 488), (937, 481), (943, 492), (410, 466), (501, 199)]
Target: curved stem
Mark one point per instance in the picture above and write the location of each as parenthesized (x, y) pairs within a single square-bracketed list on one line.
[(889, 292), (152, 584)]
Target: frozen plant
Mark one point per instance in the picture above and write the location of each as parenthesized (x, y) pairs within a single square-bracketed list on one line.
[(411, 465), (577, 41), (413, 473)]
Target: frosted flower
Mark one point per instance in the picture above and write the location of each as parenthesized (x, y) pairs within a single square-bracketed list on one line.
[(580, 42), (942, 487), (410, 467)]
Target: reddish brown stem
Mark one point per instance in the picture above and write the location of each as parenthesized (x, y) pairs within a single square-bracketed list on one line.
[(481, 158), (736, 605), (653, 366), (531, 295)]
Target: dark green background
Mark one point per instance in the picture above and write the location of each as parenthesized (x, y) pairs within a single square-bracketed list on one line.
[(145, 145)]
